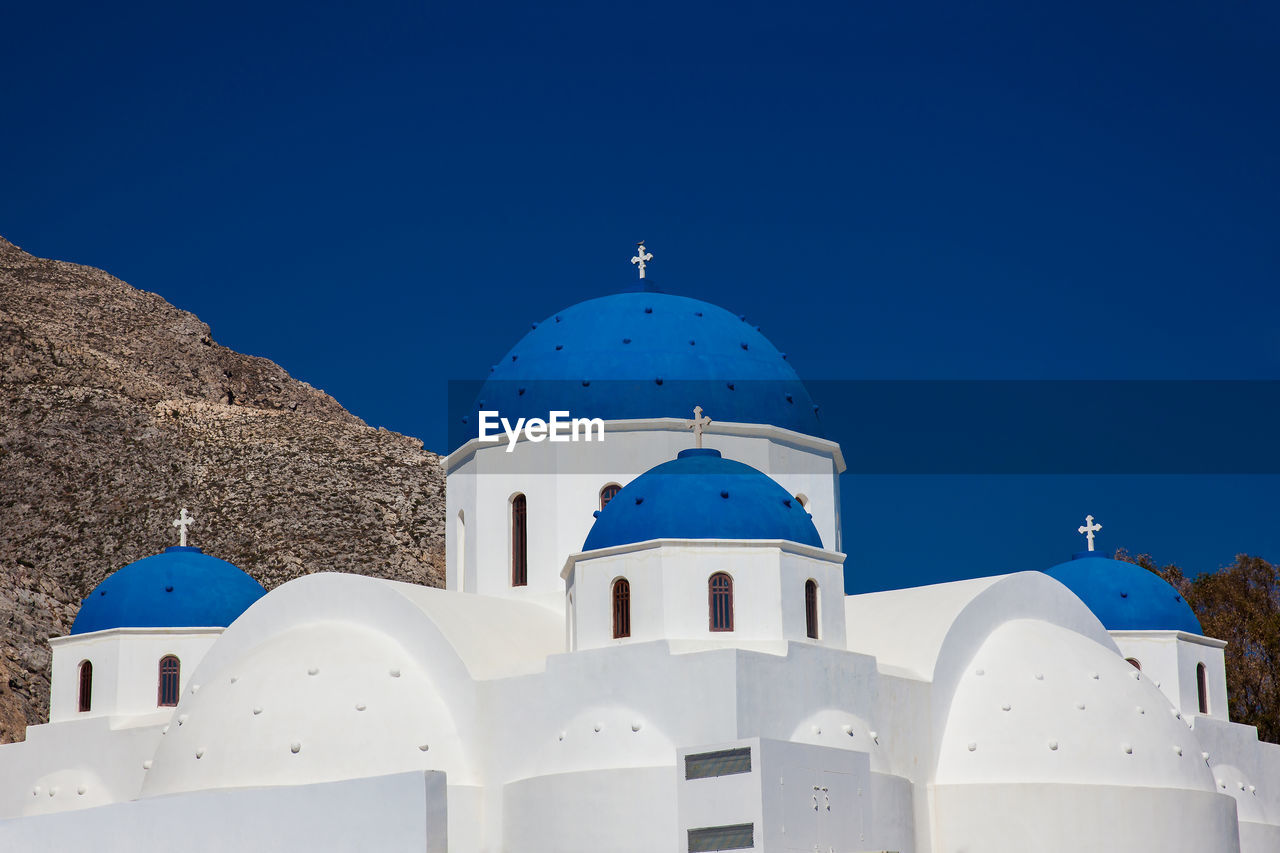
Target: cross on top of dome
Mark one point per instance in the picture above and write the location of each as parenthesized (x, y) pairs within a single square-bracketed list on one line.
[(182, 522), (642, 257), (697, 425), (1089, 528)]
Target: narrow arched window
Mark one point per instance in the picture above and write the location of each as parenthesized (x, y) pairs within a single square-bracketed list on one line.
[(170, 669), (1202, 687), (811, 608), (1134, 662), (460, 562), (608, 493), (621, 608), (519, 541), (86, 686), (720, 593)]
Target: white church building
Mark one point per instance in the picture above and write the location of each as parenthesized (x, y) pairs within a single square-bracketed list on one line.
[(644, 645)]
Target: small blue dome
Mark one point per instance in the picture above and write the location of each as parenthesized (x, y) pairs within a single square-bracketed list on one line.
[(700, 495), (1124, 596), (180, 588), (648, 355)]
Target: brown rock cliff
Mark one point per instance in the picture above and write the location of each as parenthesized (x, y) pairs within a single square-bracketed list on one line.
[(117, 409)]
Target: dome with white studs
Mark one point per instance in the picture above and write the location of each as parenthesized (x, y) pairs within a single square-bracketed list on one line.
[(648, 355)]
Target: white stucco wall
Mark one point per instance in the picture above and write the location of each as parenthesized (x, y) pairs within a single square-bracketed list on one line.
[(76, 764), (126, 670), (624, 809), (562, 481), (333, 676), (669, 592), (796, 796), (1242, 768), (1039, 703), (404, 812), (1009, 818), (1170, 658)]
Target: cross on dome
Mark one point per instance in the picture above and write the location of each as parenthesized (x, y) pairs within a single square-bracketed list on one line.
[(698, 423), (182, 522), (642, 257), (1089, 528)]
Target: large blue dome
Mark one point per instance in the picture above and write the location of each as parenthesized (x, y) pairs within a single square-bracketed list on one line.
[(700, 495), (648, 355), (1124, 596), (182, 587)]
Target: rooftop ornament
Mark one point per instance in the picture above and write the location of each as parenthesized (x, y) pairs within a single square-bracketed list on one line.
[(642, 257), (1089, 528), (182, 522), (699, 422)]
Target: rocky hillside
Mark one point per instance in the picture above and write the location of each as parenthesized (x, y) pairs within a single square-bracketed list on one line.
[(117, 409)]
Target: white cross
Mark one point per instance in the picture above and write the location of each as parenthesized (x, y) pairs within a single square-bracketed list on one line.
[(698, 423), (182, 522), (1089, 528), (642, 257)]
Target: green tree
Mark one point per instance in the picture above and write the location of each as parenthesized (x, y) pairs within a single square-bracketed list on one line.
[(1240, 604)]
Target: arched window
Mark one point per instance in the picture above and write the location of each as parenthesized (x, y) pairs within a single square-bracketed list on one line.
[(170, 668), (1202, 687), (803, 498), (621, 608), (811, 608), (720, 593), (519, 541), (86, 686), (1134, 662), (460, 544), (607, 494), (573, 621)]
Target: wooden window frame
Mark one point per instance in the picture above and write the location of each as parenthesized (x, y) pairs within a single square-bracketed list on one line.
[(176, 674), (519, 539), (811, 614), (621, 608), (727, 611), (86, 686), (614, 488)]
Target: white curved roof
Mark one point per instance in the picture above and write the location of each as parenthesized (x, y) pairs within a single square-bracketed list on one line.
[(908, 630), (319, 702), (340, 676), (487, 637), (1042, 703)]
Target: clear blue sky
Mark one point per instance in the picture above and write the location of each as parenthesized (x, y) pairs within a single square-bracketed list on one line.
[(382, 196)]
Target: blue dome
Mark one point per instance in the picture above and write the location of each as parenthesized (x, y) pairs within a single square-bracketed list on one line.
[(180, 588), (648, 355), (1124, 596), (700, 495)]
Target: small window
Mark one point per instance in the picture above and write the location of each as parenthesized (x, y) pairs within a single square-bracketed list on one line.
[(621, 608), (1134, 662), (608, 493), (1202, 687), (811, 608), (720, 593), (724, 762), (170, 669), (86, 686), (519, 541), (803, 499), (739, 836), (460, 546)]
